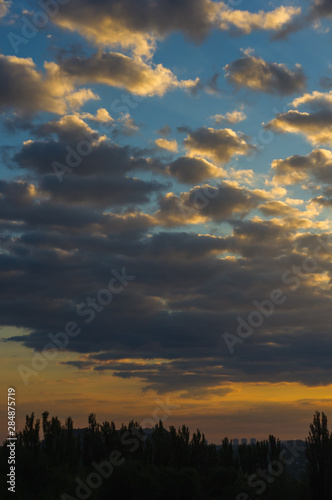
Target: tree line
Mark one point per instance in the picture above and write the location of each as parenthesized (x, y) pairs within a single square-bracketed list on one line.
[(55, 461)]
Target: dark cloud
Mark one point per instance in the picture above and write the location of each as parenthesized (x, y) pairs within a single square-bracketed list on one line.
[(326, 198), (79, 148), (317, 10), (322, 200), (126, 126), (203, 203), (295, 25), (193, 170), (137, 28), (321, 8), (219, 144), (23, 87), (326, 82), (61, 241), (164, 131), (119, 70), (158, 18), (259, 75), (297, 168), (315, 126), (210, 86), (16, 122), (59, 246), (99, 191), (314, 122), (185, 295), (27, 90), (278, 208)]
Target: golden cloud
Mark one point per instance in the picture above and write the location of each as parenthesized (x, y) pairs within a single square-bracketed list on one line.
[(218, 144)]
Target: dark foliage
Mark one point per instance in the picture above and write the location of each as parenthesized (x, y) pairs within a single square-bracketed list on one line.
[(101, 462)]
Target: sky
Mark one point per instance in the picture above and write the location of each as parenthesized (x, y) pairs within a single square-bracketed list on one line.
[(165, 212)]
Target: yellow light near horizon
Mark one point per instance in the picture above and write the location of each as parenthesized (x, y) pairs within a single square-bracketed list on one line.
[(248, 408)]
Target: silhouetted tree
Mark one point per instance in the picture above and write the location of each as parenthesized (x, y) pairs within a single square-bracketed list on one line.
[(275, 447), (198, 447), (30, 435), (161, 445), (319, 455), (226, 453), (158, 465)]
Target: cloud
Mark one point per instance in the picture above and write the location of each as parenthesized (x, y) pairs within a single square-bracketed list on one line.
[(80, 97), (315, 123), (168, 145), (27, 90), (4, 8), (119, 70), (280, 209), (232, 117), (315, 100), (209, 85), (193, 170), (321, 8), (325, 200), (128, 126), (256, 74), (201, 253), (294, 219), (317, 9), (164, 131), (175, 375), (99, 191), (102, 116), (297, 168), (123, 24), (96, 171), (325, 82), (315, 126), (207, 282), (69, 129), (218, 144), (77, 206), (246, 22), (204, 203)]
